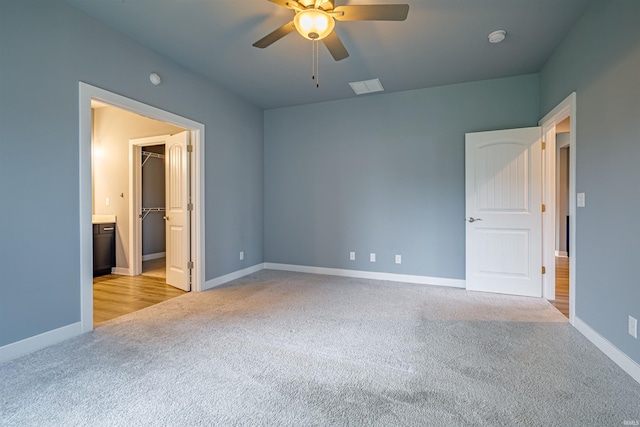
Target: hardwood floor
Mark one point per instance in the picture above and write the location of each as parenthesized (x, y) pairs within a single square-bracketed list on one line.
[(155, 267), (115, 295), (562, 285)]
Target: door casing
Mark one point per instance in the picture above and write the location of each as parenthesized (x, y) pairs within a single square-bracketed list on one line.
[(566, 108), (135, 198), (88, 92)]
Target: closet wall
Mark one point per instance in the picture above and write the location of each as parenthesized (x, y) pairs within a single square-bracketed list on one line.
[(112, 130), (153, 196)]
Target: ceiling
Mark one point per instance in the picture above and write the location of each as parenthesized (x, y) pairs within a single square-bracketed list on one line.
[(441, 42)]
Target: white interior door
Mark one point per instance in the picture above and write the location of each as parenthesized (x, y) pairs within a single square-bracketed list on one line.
[(177, 215), (504, 211)]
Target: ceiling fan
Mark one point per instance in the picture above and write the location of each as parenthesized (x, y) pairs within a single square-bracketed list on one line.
[(315, 20)]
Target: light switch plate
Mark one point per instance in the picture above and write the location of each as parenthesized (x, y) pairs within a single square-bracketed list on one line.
[(352, 256), (633, 326), (580, 200)]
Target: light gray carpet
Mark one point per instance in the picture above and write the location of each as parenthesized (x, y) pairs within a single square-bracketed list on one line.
[(290, 349)]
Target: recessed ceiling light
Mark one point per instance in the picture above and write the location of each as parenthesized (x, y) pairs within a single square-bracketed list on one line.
[(497, 36), (366, 86)]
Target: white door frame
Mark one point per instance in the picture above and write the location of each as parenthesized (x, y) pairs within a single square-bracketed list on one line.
[(88, 92), (135, 198), (566, 108)]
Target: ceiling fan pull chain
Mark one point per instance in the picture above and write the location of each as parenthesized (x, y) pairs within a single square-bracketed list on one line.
[(317, 64), (313, 60)]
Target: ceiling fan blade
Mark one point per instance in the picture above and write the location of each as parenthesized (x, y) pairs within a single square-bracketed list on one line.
[(335, 46), (372, 12), (273, 37)]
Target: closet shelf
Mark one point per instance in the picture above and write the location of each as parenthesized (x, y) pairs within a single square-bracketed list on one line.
[(146, 155), (147, 211)]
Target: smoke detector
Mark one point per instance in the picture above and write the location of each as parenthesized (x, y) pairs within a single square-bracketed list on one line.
[(497, 36)]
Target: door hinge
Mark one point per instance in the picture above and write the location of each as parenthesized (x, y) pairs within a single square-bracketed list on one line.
[(189, 264), (544, 145), (189, 206), (189, 148), (544, 270), (544, 207)]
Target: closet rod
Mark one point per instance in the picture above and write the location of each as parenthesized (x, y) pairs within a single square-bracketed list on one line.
[(148, 154), (147, 211)]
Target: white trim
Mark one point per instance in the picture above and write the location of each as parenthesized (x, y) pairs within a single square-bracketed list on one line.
[(562, 254), (122, 271), (157, 255), (567, 108), (135, 198), (212, 283), (37, 342), (549, 223), (393, 277), (614, 353), (86, 93)]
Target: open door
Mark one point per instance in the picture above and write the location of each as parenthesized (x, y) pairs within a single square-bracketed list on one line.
[(504, 211), (177, 215)]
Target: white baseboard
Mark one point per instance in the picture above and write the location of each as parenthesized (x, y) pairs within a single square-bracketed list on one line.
[(562, 254), (157, 255), (212, 283), (615, 354), (28, 345), (121, 270), (393, 277)]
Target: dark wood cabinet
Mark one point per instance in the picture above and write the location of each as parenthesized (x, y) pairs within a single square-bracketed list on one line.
[(104, 248)]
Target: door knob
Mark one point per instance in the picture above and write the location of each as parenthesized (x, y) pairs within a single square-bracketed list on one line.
[(472, 219), (166, 218)]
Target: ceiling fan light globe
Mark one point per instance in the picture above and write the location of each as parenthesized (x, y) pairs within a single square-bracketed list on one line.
[(314, 24)]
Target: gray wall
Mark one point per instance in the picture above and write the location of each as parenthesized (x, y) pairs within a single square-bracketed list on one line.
[(600, 60), (383, 174), (47, 47)]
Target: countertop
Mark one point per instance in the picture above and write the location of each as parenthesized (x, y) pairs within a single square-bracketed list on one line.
[(103, 219)]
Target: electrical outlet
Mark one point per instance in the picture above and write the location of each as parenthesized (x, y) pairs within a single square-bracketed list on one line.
[(633, 326), (372, 257), (241, 255), (352, 256), (580, 201), (398, 259), (107, 202)]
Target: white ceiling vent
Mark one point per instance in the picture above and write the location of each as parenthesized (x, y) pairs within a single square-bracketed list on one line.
[(366, 86)]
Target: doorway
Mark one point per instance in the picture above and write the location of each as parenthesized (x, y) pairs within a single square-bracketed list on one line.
[(154, 236), (195, 247), (562, 244), (559, 233), (160, 206)]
